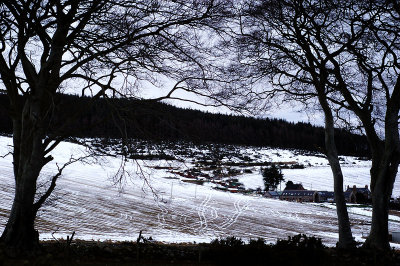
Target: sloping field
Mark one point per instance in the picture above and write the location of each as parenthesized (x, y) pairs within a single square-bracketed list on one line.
[(87, 201)]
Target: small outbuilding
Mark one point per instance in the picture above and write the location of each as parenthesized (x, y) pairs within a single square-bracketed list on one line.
[(272, 194)]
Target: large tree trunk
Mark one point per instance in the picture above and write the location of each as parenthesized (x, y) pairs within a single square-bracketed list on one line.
[(378, 236), (346, 239), (382, 186), (385, 163), (19, 233), (345, 235)]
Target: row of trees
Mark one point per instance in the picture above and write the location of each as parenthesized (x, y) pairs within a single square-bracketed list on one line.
[(159, 121), (339, 57)]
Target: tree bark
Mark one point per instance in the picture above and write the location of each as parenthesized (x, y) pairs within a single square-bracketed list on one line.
[(378, 236), (19, 233), (381, 192), (385, 163), (346, 239), (383, 177)]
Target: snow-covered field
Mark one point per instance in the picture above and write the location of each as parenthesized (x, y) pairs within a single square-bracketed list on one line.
[(88, 201)]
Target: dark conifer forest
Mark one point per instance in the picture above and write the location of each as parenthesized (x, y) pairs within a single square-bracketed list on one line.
[(160, 121)]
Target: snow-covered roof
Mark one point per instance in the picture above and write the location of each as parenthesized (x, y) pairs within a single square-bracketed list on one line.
[(327, 194), (298, 192), (274, 193)]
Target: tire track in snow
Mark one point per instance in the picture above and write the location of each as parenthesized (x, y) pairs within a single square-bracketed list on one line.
[(201, 213), (161, 215), (238, 211)]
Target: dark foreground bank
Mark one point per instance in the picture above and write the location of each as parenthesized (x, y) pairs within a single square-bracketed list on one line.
[(298, 250)]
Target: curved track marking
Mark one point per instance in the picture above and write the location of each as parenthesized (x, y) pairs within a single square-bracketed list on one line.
[(201, 213), (161, 215), (238, 211)]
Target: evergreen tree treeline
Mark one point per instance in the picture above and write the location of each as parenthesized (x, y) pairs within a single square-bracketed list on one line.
[(159, 121)]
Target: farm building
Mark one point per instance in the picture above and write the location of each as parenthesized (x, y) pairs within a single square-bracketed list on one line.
[(296, 192), (326, 196), (273, 194), (300, 195)]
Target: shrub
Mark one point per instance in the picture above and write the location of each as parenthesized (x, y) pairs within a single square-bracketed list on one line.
[(301, 241), (228, 242), (257, 243)]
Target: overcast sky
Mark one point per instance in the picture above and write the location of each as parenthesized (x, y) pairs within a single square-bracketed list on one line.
[(286, 112)]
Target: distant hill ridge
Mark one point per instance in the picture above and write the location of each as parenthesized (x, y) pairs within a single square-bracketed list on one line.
[(159, 121)]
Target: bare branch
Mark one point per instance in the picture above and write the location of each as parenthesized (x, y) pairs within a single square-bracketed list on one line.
[(54, 179)]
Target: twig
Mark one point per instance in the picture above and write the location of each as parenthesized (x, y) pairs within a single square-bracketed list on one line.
[(140, 237), (137, 246), (5, 155), (69, 240), (52, 235)]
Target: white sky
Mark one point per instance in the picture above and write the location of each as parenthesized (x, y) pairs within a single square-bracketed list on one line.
[(284, 111)]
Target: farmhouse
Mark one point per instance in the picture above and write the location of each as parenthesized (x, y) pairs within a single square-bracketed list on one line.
[(357, 194)]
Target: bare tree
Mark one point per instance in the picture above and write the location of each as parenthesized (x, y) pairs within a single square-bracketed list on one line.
[(343, 53), (102, 48), (277, 44), (369, 84)]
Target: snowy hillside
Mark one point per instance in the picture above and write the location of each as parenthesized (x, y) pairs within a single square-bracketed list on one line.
[(157, 198)]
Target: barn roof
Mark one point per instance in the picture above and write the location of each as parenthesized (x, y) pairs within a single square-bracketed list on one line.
[(274, 193), (327, 194), (298, 193)]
